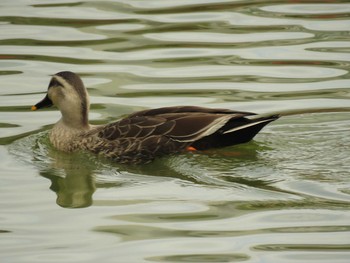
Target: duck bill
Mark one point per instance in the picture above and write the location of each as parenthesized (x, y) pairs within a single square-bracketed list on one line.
[(45, 102)]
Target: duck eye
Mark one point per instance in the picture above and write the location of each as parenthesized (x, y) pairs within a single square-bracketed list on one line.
[(54, 83)]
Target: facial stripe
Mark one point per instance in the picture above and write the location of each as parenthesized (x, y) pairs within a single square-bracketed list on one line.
[(54, 83)]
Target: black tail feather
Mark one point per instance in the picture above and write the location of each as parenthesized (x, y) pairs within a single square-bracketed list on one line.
[(235, 132)]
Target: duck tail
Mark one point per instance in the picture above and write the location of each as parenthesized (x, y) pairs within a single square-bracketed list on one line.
[(257, 121), (235, 132)]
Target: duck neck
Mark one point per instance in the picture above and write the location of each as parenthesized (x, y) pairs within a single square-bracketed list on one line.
[(76, 121)]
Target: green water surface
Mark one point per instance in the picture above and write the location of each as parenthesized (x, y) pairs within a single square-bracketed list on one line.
[(281, 198)]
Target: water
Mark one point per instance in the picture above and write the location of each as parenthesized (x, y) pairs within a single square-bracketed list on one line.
[(283, 197)]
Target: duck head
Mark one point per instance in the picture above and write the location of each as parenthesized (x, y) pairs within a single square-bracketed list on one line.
[(67, 92)]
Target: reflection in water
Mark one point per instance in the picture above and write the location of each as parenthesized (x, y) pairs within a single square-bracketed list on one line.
[(71, 175), (75, 188), (72, 178)]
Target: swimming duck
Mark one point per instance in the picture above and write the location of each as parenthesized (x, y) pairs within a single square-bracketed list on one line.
[(143, 135)]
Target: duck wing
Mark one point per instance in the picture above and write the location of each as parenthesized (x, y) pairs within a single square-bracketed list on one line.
[(144, 135)]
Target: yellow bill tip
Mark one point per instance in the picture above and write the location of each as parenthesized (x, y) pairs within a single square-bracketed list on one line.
[(34, 108)]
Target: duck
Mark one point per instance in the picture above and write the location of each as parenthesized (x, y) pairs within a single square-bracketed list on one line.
[(144, 135)]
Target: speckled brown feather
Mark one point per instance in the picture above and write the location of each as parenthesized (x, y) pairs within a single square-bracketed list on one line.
[(145, 135)]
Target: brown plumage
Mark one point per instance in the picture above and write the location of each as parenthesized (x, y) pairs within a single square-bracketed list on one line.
[(144, 135)]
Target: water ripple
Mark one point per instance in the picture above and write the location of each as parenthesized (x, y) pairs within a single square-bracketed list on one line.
[(283, 197)]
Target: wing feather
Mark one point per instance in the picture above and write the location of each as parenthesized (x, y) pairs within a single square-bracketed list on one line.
[(150, 133)]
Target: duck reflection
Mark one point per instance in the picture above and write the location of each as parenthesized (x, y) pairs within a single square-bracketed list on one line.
[(72, 179)]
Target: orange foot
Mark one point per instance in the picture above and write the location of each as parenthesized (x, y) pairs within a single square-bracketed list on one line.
[(191, 149)]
